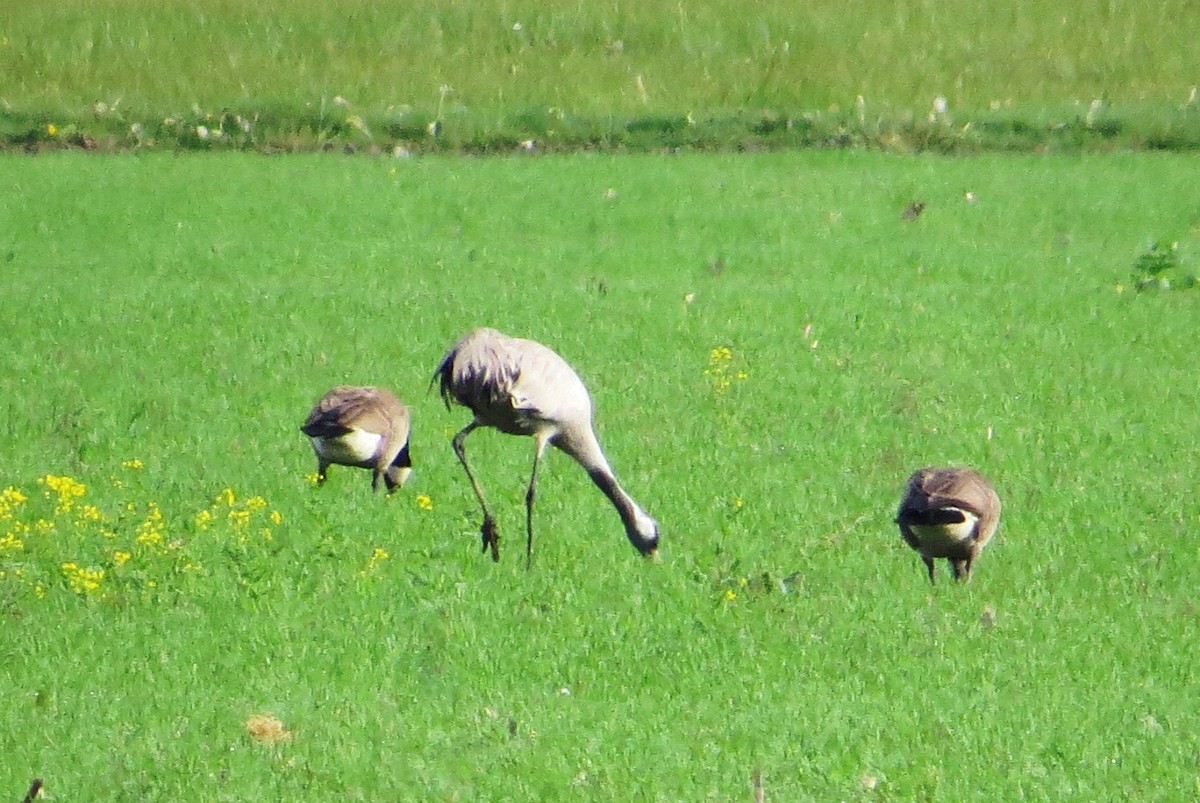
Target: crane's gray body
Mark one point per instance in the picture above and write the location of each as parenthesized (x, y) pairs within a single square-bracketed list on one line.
[(521, 387)]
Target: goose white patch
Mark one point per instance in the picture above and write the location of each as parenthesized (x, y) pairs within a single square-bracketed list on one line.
[(933, 536), (355, 447)]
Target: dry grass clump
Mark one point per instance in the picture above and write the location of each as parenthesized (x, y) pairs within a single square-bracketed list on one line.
[(267, 729)]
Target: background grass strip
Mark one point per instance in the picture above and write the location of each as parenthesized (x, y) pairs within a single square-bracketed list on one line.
[(485, 76)]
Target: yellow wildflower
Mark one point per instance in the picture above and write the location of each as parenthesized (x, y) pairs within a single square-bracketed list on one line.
[(82, 580), (276, 517), (256, 503), (730, 596), (51, 130), (424, 502), (10, 500), (719, 370), (239, 518), (121, 558), (133, 465), (152, 529), (149, 537), (378, 556), (227, 497), (68, 491), (203, 519)]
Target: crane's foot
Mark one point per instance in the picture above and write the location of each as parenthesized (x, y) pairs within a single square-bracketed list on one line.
[(491, 537)]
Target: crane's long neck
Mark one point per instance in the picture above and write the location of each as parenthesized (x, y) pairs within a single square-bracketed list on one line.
[(640, 528)]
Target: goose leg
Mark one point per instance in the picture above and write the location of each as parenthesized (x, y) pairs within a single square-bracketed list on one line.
[(491, 537), (929, 567), (962, 569)]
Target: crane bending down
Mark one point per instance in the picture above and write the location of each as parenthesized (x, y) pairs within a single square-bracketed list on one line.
[(523, 388)]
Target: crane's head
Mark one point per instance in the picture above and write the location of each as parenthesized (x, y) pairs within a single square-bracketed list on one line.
[(643, 534)]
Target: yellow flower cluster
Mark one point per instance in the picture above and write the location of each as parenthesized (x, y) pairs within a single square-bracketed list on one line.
[(67, 490), (378, 556), (11, 501), (152, 530), (239, 515), (64, 540), (82, 580), (720, 371), (424, 502), (730, 595), (11, 541)]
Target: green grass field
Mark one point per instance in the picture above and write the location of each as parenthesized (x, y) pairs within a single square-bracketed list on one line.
[(706, 74), (771, 349)]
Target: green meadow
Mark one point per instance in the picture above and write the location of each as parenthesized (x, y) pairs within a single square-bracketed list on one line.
[(489, 75), (795, 251), (771, 348)]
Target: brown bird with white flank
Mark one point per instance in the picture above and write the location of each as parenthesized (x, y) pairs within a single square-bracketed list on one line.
[(365, 427), (523, 388), (948, 513)]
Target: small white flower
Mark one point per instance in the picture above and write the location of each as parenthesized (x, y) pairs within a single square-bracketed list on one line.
[(518, 27), (202, 131), (940, 105)]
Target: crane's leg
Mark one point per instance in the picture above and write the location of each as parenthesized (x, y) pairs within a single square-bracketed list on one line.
[(539, 450), (491, 537)]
